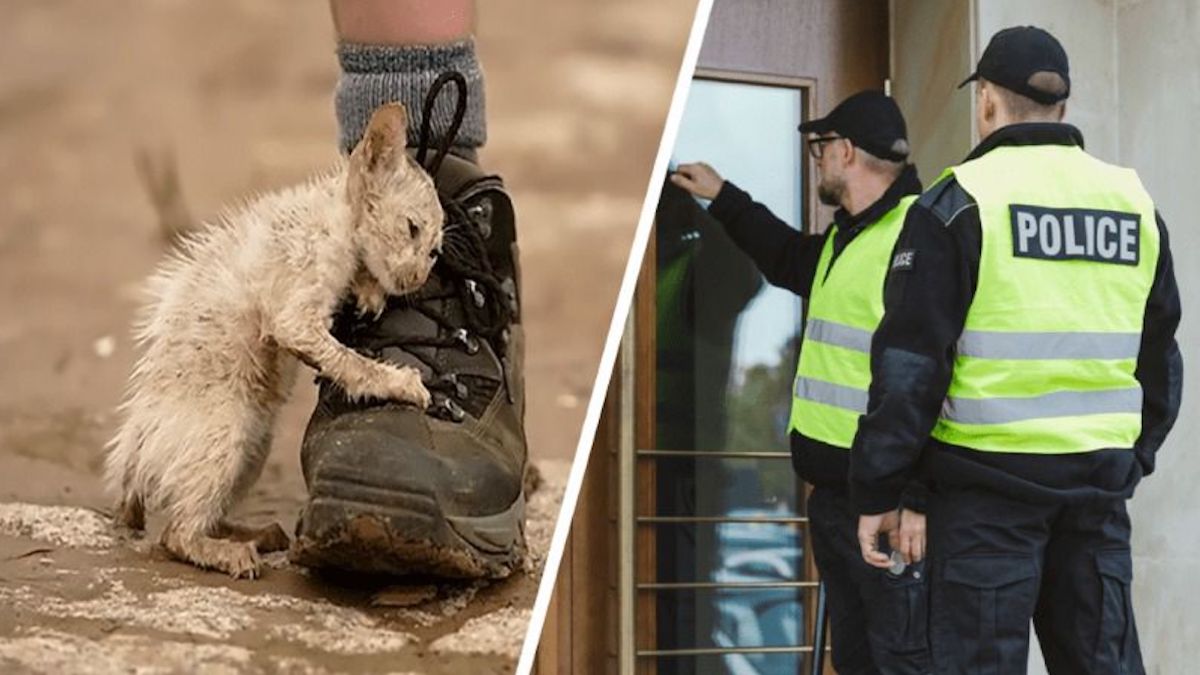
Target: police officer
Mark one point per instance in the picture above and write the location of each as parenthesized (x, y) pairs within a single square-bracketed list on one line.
[(1029, 331), (877, 617)]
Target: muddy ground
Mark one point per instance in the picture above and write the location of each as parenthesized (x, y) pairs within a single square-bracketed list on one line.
[(239, 92)]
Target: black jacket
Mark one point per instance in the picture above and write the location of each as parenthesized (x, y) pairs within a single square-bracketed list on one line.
[(788, 258), (912, 357)]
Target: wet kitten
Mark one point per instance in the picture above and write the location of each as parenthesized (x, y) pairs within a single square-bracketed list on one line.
[(230, 314)]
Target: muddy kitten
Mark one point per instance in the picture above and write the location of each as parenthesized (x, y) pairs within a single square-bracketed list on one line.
[(229, 315)]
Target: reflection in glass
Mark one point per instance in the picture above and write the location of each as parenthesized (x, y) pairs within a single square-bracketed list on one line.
[(745, 616), (725, 356), (744, 484)]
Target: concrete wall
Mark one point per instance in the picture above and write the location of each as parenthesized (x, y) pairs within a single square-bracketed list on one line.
[(1136, 97), (1087, 29), (931, 54), (1159, 109), (937, 42)]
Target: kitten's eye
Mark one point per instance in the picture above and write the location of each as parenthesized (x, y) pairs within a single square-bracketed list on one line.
[(413, 230)]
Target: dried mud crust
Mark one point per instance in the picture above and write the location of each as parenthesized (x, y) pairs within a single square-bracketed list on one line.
[(84, 596), (349, 535)]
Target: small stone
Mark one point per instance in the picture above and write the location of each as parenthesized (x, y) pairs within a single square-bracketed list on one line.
[(105, 346)]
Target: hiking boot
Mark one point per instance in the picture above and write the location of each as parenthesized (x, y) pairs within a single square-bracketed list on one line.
[(397, 490)]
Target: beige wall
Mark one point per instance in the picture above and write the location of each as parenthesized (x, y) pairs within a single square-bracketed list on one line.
[(1087, 29), (931, 54), (936, 44)]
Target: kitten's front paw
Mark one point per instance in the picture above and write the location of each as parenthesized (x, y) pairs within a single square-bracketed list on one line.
[(406, 387), (370, 299)]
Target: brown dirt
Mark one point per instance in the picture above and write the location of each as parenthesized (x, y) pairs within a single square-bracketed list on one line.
[(239, 91)]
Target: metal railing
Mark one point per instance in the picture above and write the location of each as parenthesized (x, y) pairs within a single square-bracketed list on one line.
[(816, 648)]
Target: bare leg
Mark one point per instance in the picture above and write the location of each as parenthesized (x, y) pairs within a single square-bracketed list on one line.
[(399, 22)]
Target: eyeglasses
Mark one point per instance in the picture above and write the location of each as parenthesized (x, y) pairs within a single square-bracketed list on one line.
[(816, 145)]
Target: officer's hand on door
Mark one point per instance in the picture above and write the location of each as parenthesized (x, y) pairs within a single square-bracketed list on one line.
[(699, 179)]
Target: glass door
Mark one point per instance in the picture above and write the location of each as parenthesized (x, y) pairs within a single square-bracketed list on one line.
[(723, 579)]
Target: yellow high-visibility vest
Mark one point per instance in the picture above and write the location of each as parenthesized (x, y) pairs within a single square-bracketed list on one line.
[(1046, 360), (845, 306)]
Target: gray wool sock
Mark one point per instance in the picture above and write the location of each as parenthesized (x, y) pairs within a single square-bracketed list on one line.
[(376, 74)]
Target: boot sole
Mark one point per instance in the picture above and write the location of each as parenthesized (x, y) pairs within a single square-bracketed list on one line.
[(351, 526)]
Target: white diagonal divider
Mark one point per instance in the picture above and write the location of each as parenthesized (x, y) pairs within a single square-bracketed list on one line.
[(612, 342)]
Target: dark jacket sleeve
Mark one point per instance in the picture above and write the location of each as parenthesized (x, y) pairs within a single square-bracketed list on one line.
[(786, 257), (912, 353), (1160, 365)]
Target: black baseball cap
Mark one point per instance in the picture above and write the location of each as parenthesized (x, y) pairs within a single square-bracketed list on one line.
[(871, 120), (1014, 55)]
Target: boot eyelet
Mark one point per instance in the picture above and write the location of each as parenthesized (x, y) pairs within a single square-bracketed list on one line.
[(460, 389), (481, 215), (509, 287), (476, 294), (469, 343), (456, 412)]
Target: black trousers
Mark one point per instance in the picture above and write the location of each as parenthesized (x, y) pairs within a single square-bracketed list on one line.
[(998, 562), (878, 622)]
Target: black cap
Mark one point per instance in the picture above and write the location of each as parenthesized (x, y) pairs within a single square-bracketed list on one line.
[(871, 120), (1015, 54)]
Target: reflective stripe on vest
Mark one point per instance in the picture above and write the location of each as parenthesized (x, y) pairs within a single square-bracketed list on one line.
[(1049, 345), (846, 305), (828, 393), (1046, 360), (838, 335), (1056, 404)]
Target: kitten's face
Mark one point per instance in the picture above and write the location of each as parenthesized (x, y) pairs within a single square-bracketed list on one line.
[(399, 217)]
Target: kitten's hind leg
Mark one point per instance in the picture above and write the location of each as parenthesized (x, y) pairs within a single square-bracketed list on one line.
[(131, 512), (236, 558), (266, 539), (218, 461)]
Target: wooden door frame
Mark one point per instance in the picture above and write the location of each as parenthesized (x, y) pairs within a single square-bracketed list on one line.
[(808, 89), (642, 343)]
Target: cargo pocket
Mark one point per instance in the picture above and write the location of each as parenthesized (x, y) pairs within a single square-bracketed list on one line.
[(988, 601), (1115, 651), (899, 624)]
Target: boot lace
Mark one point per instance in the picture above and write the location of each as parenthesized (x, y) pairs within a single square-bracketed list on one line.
[(487, 304)]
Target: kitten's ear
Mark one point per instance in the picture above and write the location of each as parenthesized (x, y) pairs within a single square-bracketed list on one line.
[(381, 149)]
